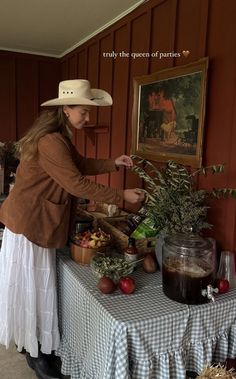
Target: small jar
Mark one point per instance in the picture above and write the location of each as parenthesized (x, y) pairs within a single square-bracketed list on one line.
[(187, 268), (131, 253)]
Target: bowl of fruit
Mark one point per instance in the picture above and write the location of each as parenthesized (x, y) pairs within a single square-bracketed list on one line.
[(85, 245), (113, 267)]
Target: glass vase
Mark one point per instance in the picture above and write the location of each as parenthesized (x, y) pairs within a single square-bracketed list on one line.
[(227, 268)]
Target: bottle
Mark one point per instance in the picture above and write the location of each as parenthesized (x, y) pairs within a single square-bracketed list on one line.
[(133, 220), (227, 268), (131, 253)]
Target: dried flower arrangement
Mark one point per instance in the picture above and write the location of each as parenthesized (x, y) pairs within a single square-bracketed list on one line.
[(174, 204), (217, 372)]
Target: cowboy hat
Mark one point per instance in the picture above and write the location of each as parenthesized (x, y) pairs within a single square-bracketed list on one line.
[(78, 92)]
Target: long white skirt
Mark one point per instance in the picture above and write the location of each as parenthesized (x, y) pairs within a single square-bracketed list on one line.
[(28, 297)]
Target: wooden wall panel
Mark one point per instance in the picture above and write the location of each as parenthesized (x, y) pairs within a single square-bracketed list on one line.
[(93, 69), (27, 93), (72, 72), (64, 69), (120, 96), (140, 43), (187, 34), (7, 99), (92, 72), (104, 113), (162, 35), (26, 81), (72, 67), (81, 74), (220, 121), (49, 74)]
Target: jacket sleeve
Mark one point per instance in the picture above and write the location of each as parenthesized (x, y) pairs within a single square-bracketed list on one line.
[(91, 166), (55, 158)]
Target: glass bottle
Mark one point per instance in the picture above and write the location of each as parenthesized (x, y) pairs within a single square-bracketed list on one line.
[(133, 220), (227, 268), (131, 253)]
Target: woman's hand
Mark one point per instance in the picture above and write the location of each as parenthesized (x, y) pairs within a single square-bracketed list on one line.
[(124, 160), (134, 196)]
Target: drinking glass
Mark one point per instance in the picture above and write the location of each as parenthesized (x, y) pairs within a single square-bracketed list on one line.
[(227, 268)]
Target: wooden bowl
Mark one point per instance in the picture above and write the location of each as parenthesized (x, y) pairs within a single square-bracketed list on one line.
[(83, 255)]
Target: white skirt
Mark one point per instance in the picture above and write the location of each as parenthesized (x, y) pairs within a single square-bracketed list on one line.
[(28, 297)]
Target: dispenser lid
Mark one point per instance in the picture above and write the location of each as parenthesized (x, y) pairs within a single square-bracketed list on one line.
[(187, 243)]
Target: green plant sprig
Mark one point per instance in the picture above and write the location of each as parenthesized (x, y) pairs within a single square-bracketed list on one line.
[(173, 203)]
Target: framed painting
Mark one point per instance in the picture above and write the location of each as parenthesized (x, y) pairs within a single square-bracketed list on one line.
[(168, 114)]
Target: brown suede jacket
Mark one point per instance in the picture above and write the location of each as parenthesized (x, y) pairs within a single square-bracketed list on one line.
[(40, 204)]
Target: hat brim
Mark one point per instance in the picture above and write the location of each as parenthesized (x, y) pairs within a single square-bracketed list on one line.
[(99, 98)]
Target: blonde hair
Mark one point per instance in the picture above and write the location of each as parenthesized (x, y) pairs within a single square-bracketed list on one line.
[(47, 122)]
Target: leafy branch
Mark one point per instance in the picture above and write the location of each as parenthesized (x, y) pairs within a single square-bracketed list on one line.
[(173, 202)]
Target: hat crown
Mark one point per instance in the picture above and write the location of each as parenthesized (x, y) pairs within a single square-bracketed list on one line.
[(75, 88), (79, 92)]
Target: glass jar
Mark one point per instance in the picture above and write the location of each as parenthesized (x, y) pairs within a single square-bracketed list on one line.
[(187, 268)]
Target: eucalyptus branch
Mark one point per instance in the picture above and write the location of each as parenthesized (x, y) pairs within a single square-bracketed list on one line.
[(173, 202), (215, 169)]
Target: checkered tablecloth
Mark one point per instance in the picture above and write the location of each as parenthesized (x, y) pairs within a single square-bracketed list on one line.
[(140, 336)]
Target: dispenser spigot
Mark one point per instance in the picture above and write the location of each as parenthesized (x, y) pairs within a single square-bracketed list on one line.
[(209, 292)]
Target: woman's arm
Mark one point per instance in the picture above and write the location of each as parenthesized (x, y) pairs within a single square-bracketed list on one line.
[(55, 157), (92, 166)]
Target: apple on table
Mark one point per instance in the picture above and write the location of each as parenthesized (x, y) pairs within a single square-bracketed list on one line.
[(127, 285)]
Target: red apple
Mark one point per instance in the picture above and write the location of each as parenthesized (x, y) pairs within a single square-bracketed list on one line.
[(222, 285), (106, 285), (127, 285)]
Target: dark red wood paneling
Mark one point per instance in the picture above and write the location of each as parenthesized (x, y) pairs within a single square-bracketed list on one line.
[(27, 82), (104, 113), (120, 96), (49, 78), (138, 66), (93, 69), (188, 30), (93, 61), (82, 64), (82, 74), (220, 120), (64, 69), (7, 98), (162, 35), (72, 62), (72, 70)]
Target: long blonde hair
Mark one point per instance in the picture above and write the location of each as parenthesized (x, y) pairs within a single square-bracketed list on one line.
[(48, 122)]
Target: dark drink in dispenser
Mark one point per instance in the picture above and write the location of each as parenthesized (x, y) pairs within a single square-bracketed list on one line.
[(187, 268), (185, 284)]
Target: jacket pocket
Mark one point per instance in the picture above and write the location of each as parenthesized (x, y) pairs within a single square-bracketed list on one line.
[(55, 220)]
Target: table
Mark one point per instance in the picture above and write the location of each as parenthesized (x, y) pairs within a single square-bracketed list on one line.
[(140, 336)]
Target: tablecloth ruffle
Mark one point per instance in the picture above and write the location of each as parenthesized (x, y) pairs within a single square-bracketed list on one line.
[(171, 365), (71, 363), (212, 350)]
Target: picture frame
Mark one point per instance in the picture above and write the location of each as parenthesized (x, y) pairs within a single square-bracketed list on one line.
[(169, 113)]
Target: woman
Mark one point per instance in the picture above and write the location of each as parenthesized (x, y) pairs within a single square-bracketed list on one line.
[(38, 214)]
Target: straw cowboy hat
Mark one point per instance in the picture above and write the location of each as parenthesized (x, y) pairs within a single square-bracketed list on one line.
[(78, 92)]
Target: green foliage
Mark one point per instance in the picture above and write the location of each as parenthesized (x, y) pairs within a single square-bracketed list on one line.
[(173, 202)]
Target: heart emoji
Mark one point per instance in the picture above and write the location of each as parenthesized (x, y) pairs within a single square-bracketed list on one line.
[(185, 53)]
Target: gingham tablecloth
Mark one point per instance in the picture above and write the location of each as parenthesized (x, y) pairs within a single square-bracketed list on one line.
[(140, 336)]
